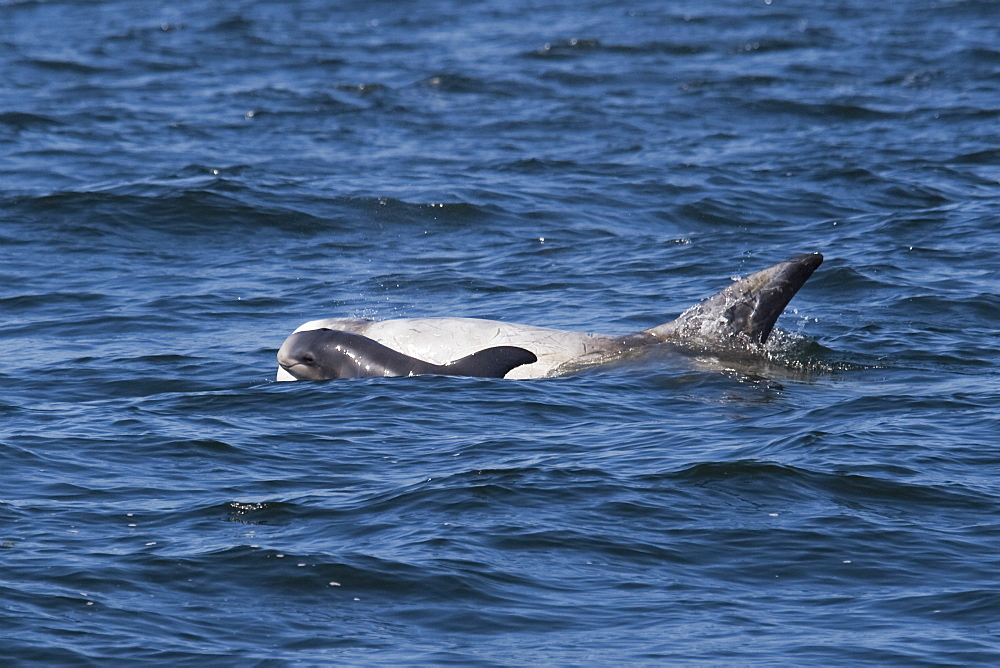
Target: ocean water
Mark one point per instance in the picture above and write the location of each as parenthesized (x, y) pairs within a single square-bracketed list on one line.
[(183, 184)]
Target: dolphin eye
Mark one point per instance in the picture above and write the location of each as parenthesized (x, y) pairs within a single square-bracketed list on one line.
[(308, 358)]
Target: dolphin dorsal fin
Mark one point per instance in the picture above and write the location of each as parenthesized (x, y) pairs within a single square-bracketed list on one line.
[(492, 362), (746, 309)]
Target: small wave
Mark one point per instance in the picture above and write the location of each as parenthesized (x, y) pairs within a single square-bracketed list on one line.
[(764, 479), (566, 48), (262, 513), (69, 66), (983, 157), (968, 606), (173, 210), (17, 120), (658, 47), (829, 110), (31, 303)]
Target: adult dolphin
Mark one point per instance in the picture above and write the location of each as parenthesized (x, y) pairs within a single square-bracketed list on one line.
[(740, 316)]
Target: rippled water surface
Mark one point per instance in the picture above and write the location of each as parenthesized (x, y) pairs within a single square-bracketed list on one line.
[(183, 184)]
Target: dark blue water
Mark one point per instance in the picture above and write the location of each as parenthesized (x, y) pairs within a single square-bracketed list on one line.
[(183, 184)]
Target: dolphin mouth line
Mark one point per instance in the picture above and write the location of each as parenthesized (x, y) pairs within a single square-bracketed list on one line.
[(293, 370)]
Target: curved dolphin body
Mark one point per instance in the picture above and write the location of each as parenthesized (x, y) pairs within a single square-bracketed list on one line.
[(327, 354), (740, 316)]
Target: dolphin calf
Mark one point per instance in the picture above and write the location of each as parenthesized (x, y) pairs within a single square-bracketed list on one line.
[(326, 354), (739, 317)]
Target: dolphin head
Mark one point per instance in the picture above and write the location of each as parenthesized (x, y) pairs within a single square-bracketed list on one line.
[(314, 355)]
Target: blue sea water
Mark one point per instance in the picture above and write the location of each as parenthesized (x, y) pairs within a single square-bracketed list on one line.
[(183, 184)]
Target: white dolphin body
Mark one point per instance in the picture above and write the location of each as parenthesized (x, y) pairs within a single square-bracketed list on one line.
[(743, 313)]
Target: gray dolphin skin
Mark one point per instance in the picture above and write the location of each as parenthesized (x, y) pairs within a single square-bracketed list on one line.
[(327, 354), (740, 317), (746, 309)]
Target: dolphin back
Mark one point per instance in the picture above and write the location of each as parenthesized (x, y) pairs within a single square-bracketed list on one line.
[(745, 312)]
